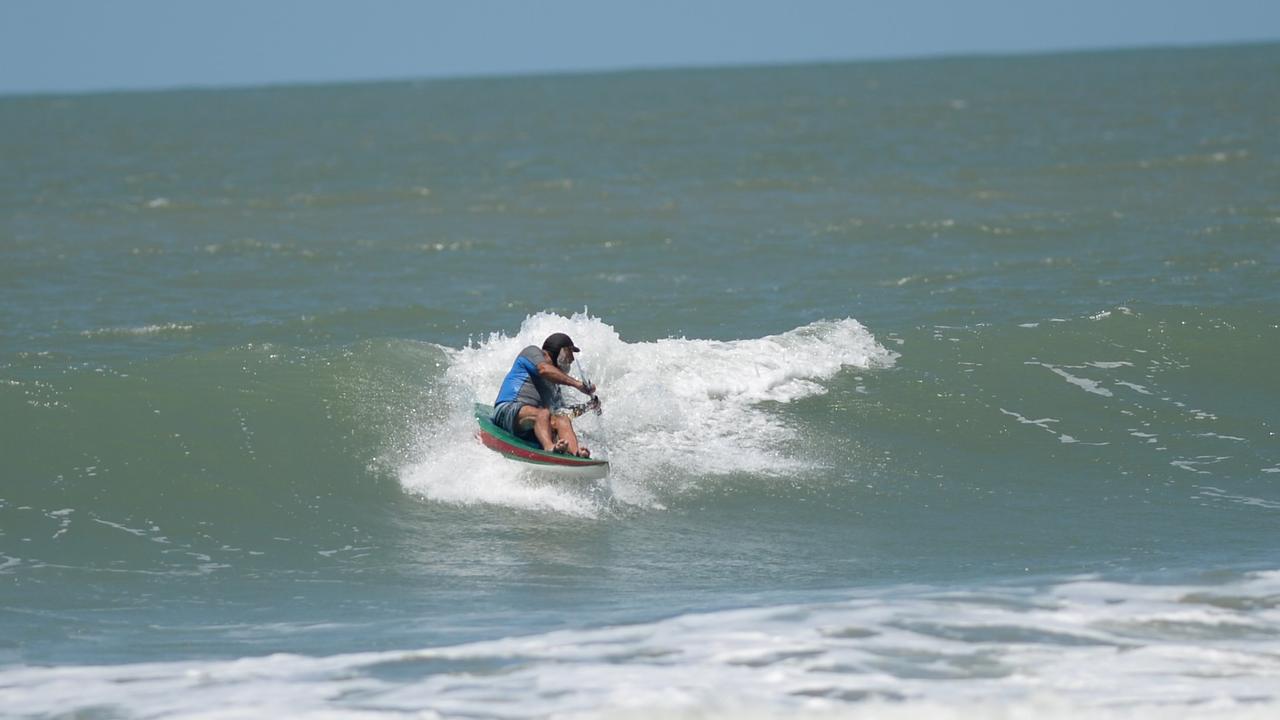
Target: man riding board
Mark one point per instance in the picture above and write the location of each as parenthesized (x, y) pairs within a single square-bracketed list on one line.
[(530, 395)]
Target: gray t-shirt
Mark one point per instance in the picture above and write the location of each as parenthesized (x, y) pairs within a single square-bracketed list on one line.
[(524, 385)]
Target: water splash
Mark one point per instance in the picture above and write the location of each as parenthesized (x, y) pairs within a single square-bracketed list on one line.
[(676, 410)]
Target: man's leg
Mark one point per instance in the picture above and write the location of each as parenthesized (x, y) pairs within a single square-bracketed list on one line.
[(562, 428), (540, 418)]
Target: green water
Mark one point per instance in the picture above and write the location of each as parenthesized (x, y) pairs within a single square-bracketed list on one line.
[(859, 329)]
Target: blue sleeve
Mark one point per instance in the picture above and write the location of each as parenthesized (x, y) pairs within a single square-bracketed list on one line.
[(522, 371)]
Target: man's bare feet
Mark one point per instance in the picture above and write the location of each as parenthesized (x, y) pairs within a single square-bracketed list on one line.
[(583, 452), (561, 446)]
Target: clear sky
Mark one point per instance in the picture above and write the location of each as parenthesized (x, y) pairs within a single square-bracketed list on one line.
[(74, 45)]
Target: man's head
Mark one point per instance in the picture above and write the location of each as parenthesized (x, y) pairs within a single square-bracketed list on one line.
[(560, 348)]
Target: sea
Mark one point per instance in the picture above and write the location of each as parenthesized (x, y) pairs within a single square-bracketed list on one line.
[(938, 388)]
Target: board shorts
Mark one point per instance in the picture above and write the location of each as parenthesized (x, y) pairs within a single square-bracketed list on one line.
[(506, 416)]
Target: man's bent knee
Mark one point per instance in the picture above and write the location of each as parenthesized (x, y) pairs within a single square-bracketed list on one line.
[(533, 413)]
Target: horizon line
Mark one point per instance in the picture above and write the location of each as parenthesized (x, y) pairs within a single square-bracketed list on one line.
[(633, 69)]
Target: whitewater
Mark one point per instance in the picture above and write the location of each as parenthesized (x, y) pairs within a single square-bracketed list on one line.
[(680, 412)]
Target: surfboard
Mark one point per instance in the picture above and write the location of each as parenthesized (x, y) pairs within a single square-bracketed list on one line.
[(532, 455)]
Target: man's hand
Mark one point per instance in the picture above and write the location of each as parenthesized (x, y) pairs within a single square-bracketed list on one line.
[(549, 371)]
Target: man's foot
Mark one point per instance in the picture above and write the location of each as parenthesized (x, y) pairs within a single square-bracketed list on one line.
[(561, 446), (583, 452)]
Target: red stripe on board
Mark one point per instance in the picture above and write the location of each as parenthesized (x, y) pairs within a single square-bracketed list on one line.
[(507, 448)]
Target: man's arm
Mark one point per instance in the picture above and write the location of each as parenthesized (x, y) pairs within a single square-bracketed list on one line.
[(548, 371)]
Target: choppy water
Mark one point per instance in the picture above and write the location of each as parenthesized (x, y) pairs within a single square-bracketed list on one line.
[(938, 389)]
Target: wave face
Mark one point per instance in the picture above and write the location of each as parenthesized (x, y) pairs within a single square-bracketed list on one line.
[(193, 463)]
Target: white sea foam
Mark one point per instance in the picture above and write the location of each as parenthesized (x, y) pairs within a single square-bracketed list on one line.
[(141, 331), (1079, 648), (1193, 464), (1134, 386), (1043, 424), (1219, 436), (1089, 386), (1208, 491), (674, 410)]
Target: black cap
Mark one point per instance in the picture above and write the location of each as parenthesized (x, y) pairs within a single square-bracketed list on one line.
[(556, 341)]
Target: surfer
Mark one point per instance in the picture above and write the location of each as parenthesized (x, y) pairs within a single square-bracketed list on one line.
[(530, 395)]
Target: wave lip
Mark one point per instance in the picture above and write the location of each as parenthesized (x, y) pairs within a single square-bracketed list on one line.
[(675, 410)]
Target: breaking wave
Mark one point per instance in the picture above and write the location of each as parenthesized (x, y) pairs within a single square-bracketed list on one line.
[(676, 411)]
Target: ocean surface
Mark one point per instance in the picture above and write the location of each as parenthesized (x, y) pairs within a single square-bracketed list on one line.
[(932, 389)]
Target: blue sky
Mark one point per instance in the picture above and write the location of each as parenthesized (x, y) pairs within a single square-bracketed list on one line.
[(77, 45)]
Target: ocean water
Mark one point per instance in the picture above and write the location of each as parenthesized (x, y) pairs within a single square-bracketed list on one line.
[(932, 389)]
